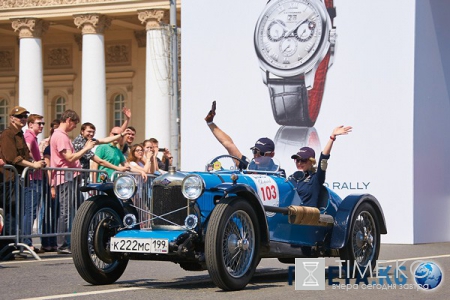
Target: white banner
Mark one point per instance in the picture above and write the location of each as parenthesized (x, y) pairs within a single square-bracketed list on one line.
[(371, 85)]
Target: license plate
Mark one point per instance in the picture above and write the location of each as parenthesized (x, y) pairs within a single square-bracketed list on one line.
[(139, 245)]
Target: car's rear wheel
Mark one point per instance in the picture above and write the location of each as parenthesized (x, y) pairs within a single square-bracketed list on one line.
[(232, 244), (96, 221), (363, 245)]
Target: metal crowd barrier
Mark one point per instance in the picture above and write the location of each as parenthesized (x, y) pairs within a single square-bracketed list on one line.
[(9, 202), (39, 204)]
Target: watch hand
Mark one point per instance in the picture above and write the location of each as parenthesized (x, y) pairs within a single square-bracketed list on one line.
[(289, 32), (282, 24), (304, 30), (285, 48)]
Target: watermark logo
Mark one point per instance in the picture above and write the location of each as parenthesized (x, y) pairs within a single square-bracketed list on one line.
[(428, 275), (310, 273)]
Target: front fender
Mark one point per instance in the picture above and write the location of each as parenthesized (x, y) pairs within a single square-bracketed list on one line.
[(346, 213), (245, 191), (127, 208), (105, 187)]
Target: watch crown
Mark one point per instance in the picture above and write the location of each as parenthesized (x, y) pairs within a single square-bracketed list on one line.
[(333, 36)]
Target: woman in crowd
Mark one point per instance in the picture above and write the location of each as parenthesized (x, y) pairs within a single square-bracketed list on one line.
[(137, 159)]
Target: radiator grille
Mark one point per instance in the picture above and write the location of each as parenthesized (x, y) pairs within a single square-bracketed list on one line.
[(166, 200)]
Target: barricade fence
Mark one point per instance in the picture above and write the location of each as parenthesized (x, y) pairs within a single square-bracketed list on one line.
[(42, 204)]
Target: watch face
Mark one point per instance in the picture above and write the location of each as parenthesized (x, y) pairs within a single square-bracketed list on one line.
[(290, 34)]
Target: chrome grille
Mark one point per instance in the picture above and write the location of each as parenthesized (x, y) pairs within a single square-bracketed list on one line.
[(166, 200)]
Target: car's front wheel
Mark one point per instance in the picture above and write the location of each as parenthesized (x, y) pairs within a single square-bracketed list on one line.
[(96, 221), (363, 245), (232, 244)]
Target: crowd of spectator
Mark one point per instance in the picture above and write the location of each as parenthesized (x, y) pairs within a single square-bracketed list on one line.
[(54, 210)]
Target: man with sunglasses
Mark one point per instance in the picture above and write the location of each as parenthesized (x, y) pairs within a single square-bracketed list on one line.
[(35, 124), (14, 151), (13, 144), (264, 147), (309, 179)]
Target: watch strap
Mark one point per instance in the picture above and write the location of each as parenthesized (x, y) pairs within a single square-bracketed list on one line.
[(292, 103)]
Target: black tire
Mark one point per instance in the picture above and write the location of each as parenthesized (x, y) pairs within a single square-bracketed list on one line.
[(363, 244), (88, 264), (232, 244)]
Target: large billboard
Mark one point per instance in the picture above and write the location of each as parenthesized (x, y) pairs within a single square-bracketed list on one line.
[(293, 70)]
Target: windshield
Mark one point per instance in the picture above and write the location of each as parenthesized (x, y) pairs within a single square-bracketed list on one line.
[(228, 163), (221, 163)]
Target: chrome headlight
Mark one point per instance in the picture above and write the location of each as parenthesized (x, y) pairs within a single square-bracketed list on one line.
[(125, 187), (192, 187)]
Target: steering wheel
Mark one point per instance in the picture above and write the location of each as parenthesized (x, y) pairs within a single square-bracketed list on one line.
[(240, 160)]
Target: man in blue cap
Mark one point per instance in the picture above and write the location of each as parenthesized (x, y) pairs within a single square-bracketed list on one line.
[(263, 150)]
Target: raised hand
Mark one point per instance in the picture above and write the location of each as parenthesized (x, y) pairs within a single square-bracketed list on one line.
[(127, 131), (126, 112), (210, 117), (340, 130)]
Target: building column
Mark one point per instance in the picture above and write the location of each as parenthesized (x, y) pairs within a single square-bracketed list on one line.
[(93, 81), (157, 77), (31, 77)]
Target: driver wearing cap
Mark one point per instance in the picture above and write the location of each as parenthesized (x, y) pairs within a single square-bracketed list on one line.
[(263, 151)]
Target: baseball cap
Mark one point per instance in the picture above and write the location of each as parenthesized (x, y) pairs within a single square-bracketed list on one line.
[(18, 110), (304, 153), (264, 145)]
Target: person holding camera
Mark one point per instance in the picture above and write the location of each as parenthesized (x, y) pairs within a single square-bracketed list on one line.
[(163, 164)]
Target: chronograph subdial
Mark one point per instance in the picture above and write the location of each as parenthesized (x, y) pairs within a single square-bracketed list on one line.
[(276, 30), (305, 31), (288, 47)]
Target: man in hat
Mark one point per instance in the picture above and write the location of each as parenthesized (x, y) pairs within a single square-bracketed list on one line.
[(14, 151), (12, 142), (309, 179), (263, 150)]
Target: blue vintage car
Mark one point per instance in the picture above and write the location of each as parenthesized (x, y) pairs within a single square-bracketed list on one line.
[(223, 220)]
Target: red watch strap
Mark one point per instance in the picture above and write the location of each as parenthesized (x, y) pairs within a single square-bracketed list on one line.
[(328, 3), (316, 93)]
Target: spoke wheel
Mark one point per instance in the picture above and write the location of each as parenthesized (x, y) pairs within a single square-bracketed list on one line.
[(363, 245), (232, 244), (94, 223)]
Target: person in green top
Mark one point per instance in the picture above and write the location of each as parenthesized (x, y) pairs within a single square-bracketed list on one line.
[(111, 153)]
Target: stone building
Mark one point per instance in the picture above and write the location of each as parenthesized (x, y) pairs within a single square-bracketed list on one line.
[(92, 56)]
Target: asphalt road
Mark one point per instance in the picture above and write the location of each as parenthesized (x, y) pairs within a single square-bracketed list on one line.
[(55, 277)]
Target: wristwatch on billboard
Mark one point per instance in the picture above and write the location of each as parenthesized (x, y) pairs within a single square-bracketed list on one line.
[(295, 44)]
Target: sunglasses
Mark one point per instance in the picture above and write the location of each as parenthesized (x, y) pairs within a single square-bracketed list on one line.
[(303, 160), (40, 123), (139, 150), (21, 116), (256, 151)]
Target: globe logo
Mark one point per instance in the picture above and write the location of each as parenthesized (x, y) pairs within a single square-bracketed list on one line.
[(428, 275)]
